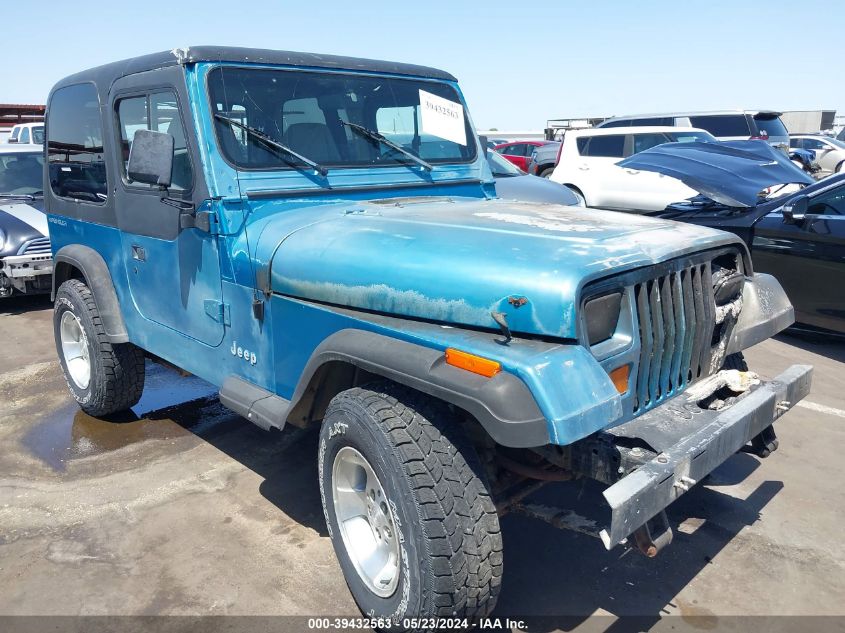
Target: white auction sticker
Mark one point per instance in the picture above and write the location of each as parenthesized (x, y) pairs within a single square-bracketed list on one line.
[(442, 118)]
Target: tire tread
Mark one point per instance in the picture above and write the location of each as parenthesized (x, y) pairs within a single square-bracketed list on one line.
[(122, 380), (456, 510)]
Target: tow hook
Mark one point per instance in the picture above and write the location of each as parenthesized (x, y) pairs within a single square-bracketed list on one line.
[(654, 535), (763, 444)]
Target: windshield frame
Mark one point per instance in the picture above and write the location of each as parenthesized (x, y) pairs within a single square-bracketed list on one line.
[(36, 153), (473, 144)]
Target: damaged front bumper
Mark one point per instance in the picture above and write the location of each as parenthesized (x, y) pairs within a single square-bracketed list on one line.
[(691, 437), (25, 273)]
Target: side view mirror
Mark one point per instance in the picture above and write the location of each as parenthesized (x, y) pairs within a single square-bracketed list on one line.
[(151, 158), (11, 140), (795, 210), (483, 140)]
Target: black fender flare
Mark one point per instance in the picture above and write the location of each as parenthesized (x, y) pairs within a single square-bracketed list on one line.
[(97, 277), (503, 404)]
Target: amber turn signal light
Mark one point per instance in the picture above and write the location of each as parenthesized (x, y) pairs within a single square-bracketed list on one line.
[(620, 376), (476, 364)]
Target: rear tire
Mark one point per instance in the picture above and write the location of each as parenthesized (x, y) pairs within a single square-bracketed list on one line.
[(103, 378), (407, 450)]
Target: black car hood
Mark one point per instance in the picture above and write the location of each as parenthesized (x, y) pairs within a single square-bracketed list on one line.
[(730, 172), (21, 220)]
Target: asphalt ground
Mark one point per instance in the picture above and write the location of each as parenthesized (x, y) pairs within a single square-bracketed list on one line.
[(182, 508)]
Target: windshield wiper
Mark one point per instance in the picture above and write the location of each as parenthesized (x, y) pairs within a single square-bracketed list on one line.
[(261, 136), (379, 138)]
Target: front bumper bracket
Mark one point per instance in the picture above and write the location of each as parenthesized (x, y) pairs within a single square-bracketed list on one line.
[(713, 437)]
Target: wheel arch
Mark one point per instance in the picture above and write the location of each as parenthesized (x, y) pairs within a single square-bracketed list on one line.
[(503, 405), (76, 261)]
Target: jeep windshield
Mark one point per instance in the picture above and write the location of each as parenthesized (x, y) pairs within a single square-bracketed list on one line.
[(21, 174), (310, 113)]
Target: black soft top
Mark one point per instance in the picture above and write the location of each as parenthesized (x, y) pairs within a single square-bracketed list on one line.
[(105, 75)]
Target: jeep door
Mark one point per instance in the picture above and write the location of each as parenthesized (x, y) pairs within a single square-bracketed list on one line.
[(808, 258), (173, 273)]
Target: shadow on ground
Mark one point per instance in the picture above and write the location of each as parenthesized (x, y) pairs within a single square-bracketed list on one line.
[(822, 344), (547, 572), (21, 304)]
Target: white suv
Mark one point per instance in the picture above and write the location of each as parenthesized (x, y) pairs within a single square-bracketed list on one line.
[(27, 133), (587, 165)]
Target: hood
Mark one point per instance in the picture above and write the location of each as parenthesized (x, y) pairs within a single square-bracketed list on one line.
[(730, 172), (20, 222), (456, 261)]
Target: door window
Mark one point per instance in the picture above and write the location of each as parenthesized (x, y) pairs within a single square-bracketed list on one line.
[(77, 166), (25, 135), (611, 146), (159, 112), (829, 203), (646, 141), (812, 143)]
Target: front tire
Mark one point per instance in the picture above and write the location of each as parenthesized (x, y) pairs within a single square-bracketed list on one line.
[(398, 479), (103, 378)]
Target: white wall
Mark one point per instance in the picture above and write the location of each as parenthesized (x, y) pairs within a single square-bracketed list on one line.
[(513, 135)]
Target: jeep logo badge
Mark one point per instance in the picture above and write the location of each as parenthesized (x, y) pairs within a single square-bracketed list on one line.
[(240, 352)]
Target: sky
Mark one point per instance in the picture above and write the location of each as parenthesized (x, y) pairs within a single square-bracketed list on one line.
[(518, 63)]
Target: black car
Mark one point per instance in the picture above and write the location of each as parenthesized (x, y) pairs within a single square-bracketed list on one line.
[(798, 237)]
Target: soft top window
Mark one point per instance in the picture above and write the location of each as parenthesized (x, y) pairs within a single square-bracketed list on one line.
[(75, 144), (308, 112)]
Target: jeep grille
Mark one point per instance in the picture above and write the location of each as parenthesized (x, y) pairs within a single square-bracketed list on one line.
[(683, 324), (675, 313)]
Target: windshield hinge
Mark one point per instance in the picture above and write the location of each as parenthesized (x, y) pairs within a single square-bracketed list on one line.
[(218, 311), (205, 221)]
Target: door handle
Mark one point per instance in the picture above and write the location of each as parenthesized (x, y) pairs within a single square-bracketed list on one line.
[(139, 253), (584, 168), (633, 171)]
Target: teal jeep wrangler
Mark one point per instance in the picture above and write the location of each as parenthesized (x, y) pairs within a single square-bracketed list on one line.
[(320, 237)]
